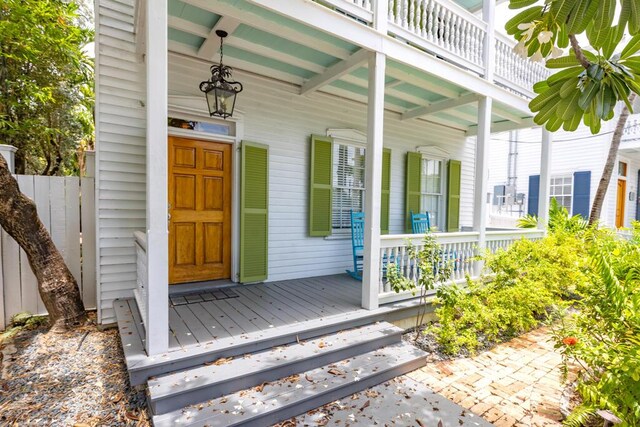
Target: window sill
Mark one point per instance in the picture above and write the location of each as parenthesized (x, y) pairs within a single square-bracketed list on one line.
[(339, 237)]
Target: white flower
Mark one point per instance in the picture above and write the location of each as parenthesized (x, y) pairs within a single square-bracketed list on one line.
[(537, 57), (556, 52), (520, 49), (545, 37), (528, 29)]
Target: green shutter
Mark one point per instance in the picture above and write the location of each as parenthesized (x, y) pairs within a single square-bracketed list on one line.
[(254, 218), (386, 191), (453, 196), (320, 191), (412, 190)]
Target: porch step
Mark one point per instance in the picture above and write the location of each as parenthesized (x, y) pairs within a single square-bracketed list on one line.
[(296, 394), (173, 391)]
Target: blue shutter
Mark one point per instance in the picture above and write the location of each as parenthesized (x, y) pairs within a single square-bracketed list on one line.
[(581, 193), (534, 195)]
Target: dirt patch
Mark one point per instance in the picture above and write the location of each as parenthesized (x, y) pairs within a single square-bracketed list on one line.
[(77, 378)]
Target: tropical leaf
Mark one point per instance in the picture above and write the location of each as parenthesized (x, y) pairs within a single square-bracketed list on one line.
[(573, 123), (590, 91), (565, 74), (568, 106), (527, 15), (569, 86), (613, 40), (631, 48), (519, 4), (563, 62), (562, 8)]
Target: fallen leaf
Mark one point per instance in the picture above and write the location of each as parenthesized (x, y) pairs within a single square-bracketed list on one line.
[(321, 344), (371, 393), (260, 387), (218, 362), (440, 424), (132, 416), (308, 378), (365, 406), (334, 371), (420, 423)]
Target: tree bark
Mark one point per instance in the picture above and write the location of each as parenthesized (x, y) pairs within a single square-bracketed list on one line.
[(56, 285), (609, 166)]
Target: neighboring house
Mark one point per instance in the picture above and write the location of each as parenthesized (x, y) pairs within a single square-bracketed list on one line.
[(346, 105), (577, 162)]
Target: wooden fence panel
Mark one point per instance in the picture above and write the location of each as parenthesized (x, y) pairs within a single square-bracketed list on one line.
[(66, 206)]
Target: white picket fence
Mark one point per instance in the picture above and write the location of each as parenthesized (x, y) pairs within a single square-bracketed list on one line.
[(66, 206)]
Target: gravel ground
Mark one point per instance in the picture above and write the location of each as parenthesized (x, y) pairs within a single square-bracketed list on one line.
[(73, 379)]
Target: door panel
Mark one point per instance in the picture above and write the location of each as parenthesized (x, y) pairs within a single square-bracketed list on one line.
[(200, 210), (620, 201)]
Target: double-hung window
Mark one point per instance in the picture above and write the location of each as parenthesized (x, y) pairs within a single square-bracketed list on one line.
[(562, 190), (431, 189), (348, 183)]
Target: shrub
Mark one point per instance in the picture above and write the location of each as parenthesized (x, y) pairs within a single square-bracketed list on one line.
[(529, 284), (603, 336)]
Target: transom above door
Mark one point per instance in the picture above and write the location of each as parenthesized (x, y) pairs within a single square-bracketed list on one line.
[(199, 210)]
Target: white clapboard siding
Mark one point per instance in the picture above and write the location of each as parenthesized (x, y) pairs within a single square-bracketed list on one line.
[(120, 161), (66, 207)]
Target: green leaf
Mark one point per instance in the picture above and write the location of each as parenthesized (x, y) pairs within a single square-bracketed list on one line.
[(565, 74), (547, 111), (572, 124), (539, 101), (583, 17), (612, 42), (540, 86), (591, 89), (519, 4), (598, 36), (631, 48), (563, 62), (554, 124), (567, 107), (563, 37), (527, 15), (569, 86), (562, 8), (634, 17), (604, 16)]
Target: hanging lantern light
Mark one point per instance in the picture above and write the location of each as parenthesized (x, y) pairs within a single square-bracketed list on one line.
[(220, 90)]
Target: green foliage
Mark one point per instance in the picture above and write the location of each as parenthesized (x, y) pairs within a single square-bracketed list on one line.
[(46, 84), (434, 267), (603, 337), (559, 219), (530, 284), (589, 84), (21, 321)]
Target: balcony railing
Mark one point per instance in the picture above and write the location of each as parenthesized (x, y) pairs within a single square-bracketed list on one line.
[(457, 248), (447, 30)]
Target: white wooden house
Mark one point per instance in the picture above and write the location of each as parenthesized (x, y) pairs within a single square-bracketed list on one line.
[(577, 162), (347, 105)]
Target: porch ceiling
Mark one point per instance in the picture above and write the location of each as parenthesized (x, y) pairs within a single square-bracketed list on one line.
[(268, 44)]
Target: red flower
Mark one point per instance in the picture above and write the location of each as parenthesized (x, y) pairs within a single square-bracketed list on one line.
[(570, 341)]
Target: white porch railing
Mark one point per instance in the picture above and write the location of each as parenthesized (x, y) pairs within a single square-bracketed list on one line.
[(141, 292), (459, 248), (440, 26), (514, 71)]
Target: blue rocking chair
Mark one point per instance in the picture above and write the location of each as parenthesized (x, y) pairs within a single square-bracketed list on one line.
[(420, 223), (357, 243)]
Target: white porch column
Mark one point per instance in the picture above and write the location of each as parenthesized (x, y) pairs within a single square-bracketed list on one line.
[(483, 139), (489, 47), (545, 179), (157, 226), (373, 182)]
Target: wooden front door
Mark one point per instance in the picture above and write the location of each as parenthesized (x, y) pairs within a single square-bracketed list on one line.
[(621, 195), (200, 210)]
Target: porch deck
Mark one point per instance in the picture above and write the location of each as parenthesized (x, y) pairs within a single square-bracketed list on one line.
[(211, 316), (203, 327)]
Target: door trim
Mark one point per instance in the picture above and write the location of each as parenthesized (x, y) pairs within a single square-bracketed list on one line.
[(621, 201), (190, 107)]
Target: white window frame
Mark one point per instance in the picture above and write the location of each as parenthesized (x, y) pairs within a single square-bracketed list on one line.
[(436, 154), (570, 195), (350, 138)]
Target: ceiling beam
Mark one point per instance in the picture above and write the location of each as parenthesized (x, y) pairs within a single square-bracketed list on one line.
[(472, 118), (436, 107), (504, 126), (210, 46), (405, 77), (500, 112), (188, 26), (335, 72)]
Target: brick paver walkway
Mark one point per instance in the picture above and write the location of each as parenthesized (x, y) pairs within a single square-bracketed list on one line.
[(515, 384)]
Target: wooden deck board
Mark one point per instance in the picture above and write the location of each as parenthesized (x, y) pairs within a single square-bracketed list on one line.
[(232, 328), (302, 306), (267, 307), (195, 325), (212, 325), (310, 299), (180, 329)]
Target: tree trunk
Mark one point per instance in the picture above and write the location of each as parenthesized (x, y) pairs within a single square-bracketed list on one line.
[(610, 165), (58, 289)]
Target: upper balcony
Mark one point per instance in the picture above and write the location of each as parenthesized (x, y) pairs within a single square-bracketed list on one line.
[(453, 33)]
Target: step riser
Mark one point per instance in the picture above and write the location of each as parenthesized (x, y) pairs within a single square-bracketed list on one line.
[(177, 401), (322, 399), (140, 376)]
